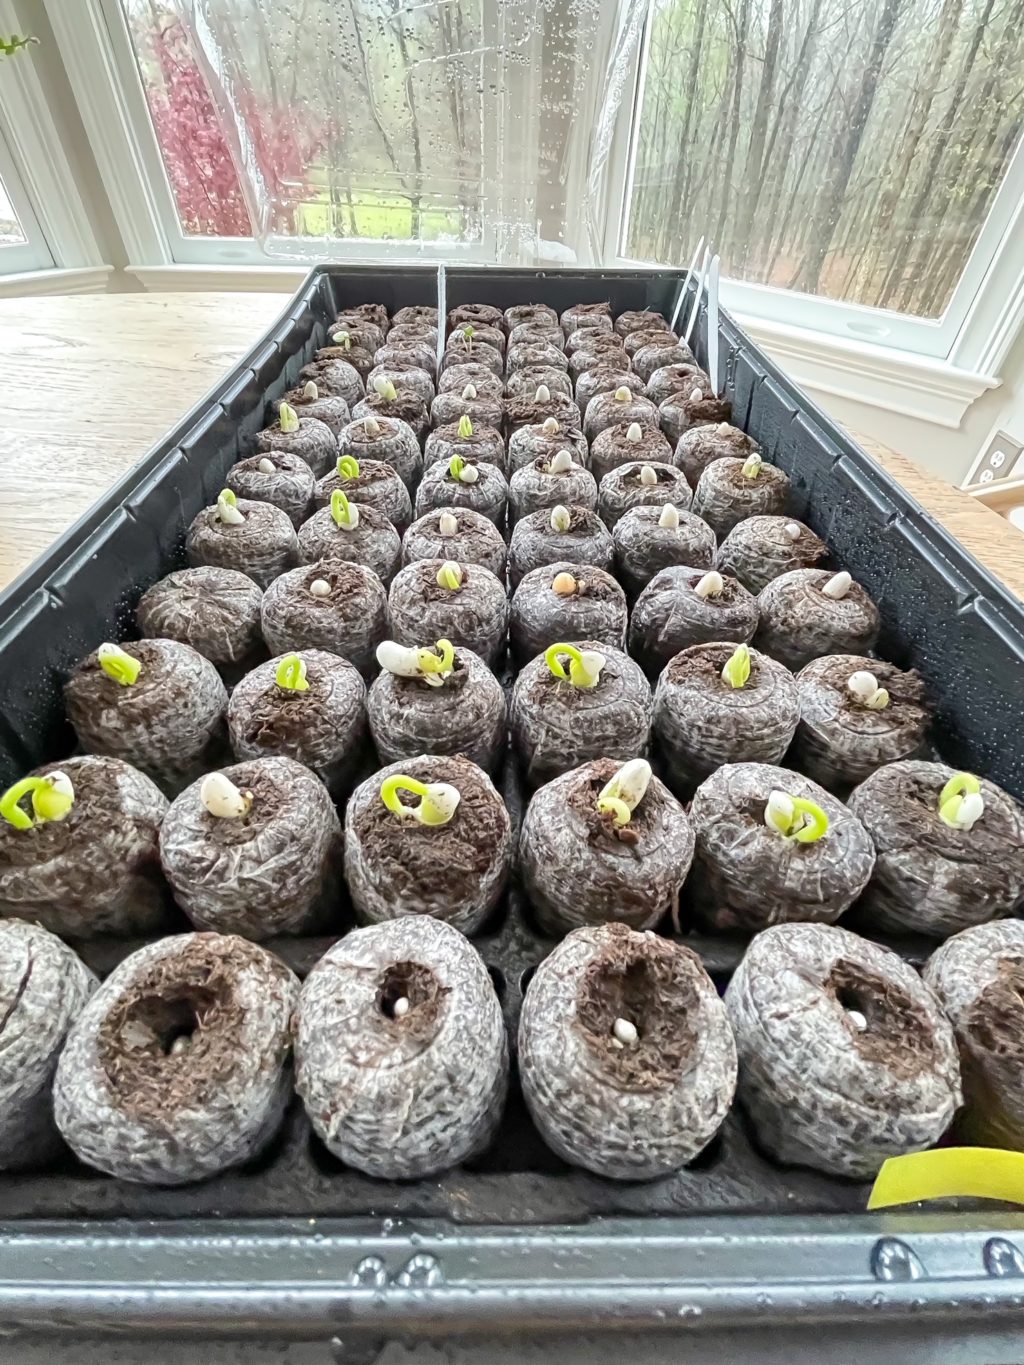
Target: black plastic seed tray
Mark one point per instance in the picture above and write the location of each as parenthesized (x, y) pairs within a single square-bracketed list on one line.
[(942, 614)]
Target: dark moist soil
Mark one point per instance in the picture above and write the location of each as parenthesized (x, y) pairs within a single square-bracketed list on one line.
[(704, 663), (583, 796), (155, 694), (371, 472), (405, 407), (471, 544), (76, 836), (911, 806), (522, 412), (192, 994), (995, 1021), (268, 803), (906, 690), (278, 715), (646, 986), (652, 448), (431, 591), (898, 1034), (476, 315), (485, 381)]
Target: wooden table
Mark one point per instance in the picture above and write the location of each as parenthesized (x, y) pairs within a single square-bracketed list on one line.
[(89, 383)]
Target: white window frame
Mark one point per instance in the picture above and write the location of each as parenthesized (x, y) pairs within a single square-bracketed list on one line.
[(33, 253)]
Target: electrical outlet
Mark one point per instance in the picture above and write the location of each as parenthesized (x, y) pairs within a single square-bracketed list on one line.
[(997, 460)]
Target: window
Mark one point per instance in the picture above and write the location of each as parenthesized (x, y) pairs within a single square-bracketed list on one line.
[(22, 246), (846, 150)]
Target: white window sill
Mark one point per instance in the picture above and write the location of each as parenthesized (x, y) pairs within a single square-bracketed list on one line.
[(88, 280), (266, 279)]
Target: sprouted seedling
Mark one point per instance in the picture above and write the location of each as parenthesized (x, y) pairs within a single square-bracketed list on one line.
[(634, 433), (343, 340), (620, 797), (222, 798), (371, 426), (712, 584), (291, 674), (449, 575), (344, 514), (227, 508), (432, 666), (52, 799), (736, 670), (584, 665), (752, 465), (384, 388), (549, 426), (447, 523), (469, 392), (116, 664), (564, 584), (320, 588), (347, 467), (310, 390), (465, 427), (961, 804), (795, 818), (462, 472), (648, 475), (436, 806), (623, 394), (863, 687), (543, 394), (837, 586), (560, 463), (266, 466), (669, 519), (287, 419), (560, 518)]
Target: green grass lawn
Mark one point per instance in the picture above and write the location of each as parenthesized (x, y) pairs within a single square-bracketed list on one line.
[(378, 216)]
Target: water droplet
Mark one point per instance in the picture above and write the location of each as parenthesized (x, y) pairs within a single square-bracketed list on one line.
[(421, 1272), (689, 1310), (893, 1261), (1002, 1258), (370, 1272)]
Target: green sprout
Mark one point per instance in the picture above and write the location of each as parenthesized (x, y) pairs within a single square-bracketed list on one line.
[(432, 666), (310, 390), (623, 394), (52, 799), (345, 514), (737, 667), (465, 427), (9, 46), (462, 472), (795, 818), (348, 467), (752, 465), (343, 340), (385, 389), (449, 575), (227, 508), (287, 418), (961, 804), (116, 664), (469, 332), (437, 804), (584, 665), (291, 674), (620, 797)]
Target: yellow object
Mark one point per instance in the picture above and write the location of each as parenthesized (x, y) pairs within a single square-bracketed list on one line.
[(950, 1173)]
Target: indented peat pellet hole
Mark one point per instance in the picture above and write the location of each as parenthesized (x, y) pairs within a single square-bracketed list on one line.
[(403, 986), (856, 1005)]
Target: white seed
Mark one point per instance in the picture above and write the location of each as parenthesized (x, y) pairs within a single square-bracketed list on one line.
[(266, 466), (857, 1020), (696, 396), (723, 427), (181, 1045), (625, 1032), (310, 390), (792, 530), (779, 811), (447, 525), (838, 585), (371, 426), (669, 519), (61, 783), (543, 394), (711, 585), (401, 1007), (469, 474), (228, 513), (648, 476), (972, 808), (559, 519), (630, 783), (563, 584), (549, 426), (862, 685), (469, 391), (400, 660), (222, 798), (320, 588), (623, 395), (634, 432), (561, 463)]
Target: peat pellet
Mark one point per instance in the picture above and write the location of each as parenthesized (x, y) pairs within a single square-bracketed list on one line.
[(350, 332), (158, 705), (670, 379), (484, 411), (531, 314), (416, 354), (617, 407), (597, 348), (415, 313), (179, 1068), (978, 976), (94, 869), (681, 607), (649, 539), (536, 334), (459, 534), (605, 378), (406, 377), (216, 611), (253, 850), (855, 715), (414, 331), (586, 315), (692, 406), (347, 348), (353, 532), (845, 1056), (413, 847), (940, 867), (655, 336), (659, 352), (597, 340), (278, 477), (722, 703), (456, 378), (376, 314), (525, 383), (308, 401), (256, 538), (482, 445), (543, 441), (309, 706), (773, 846), (641, 483), (627, 443), (536, 408), (393, 406), (566, 601), (460, 352), (810, 612), (475, 315), (44, 986), (576, 702), (335, 377), (543, 537), (759, 549), (370, 483), (307, 437), (530, 355), (635, 319), (579, 865), (546, 483), (386, 440), (464, 483), (401, 1056), (332, 605), (434, 599), (634, 1109), (730, 490), (459, 709)]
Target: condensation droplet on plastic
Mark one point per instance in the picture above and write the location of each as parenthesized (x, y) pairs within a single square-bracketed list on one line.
[(894, 1262), (1002, 1259), (421, 1272), (370, 1273)]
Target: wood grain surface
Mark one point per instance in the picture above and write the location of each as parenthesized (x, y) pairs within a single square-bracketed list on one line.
[(89, 383)]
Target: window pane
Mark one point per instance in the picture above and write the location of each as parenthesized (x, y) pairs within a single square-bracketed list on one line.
[(845, 148), (11, 233)]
